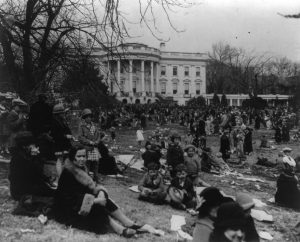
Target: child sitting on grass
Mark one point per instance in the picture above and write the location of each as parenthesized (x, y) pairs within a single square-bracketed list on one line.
[(151, 186), (181, 191)]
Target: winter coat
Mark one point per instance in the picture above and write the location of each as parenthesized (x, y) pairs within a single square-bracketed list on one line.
[(248, 148), (88, 133), (26, 175), (203, 229), (174, 155), (151, 156), (225, 147), (59, 130), (73, 185), (193, 165)]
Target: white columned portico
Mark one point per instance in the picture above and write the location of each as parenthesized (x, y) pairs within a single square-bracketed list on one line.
[(130, 77), (230, 102), (152, 79), (157, 77), (119, 77), (143, 77)]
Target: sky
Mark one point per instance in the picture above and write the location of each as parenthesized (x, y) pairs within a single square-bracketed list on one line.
[(253, 25)]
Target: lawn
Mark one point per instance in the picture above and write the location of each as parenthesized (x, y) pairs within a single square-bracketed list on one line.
[(159, 216)]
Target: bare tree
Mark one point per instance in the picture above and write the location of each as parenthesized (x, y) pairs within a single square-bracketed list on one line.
[(39, 36)]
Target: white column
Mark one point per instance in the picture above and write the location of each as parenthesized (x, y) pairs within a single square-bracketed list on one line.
[(143, 77), (108, 77), (230, 102), (130, 77), (152, 79), (119, 76), (157, 77), (238, 102)]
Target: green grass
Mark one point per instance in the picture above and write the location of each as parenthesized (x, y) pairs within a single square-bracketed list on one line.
[(158, 216)]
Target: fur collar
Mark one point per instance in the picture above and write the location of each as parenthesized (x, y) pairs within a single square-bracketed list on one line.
[(81, 176)]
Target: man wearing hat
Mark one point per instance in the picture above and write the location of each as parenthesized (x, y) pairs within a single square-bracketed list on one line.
[(16, 120), (60, 131)]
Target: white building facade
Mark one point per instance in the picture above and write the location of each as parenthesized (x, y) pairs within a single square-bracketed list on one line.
[(137, 73)]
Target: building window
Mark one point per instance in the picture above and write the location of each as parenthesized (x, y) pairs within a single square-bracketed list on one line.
[(163, 88), (175, 87), (134, 86), (197, 71), (163, 70), (186, 71), (174, 70), (198, 86), (186, 88)]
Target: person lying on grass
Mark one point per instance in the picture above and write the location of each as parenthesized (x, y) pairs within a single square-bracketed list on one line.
[(151, 186), (193, 164), (81, 203), (181, 192)]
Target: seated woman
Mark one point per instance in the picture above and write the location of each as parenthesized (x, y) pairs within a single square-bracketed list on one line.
[(83, 204), (287, 193), (26, 169), (151, 186), (210, 200), (229, 225)]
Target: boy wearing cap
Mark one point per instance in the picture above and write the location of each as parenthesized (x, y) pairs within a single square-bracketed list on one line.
[(181, 190), (247, 203), (193, 164), (151, 186), (174, 153)]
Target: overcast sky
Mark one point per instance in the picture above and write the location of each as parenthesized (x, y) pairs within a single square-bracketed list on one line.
[(254, 25)]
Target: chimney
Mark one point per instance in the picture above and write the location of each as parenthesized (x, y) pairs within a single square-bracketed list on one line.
[(162, 46)]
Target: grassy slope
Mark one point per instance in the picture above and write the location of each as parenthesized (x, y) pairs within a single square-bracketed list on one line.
[(158, 216)]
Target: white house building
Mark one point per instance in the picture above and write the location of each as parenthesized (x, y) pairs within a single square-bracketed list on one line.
[(137, 73)]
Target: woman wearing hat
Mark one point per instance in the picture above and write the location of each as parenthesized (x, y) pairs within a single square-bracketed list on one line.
[(25, 171), (287, 193), (229, 225), (89, 136), (210, 200)]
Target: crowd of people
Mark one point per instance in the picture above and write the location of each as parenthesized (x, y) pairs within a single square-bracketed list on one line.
[(50, 159)]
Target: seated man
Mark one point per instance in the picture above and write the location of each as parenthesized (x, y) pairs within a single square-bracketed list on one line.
[(25, 171), (151, 186)]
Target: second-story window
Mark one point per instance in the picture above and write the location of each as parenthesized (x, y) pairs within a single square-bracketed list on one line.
[(163, 70), (186, 71), (163, 88), (197, 71), (174, 70)]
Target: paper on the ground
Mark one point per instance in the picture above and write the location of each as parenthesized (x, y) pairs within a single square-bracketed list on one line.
[(261, 215), (148, 228), (199, 190), (134, 188), (258, 203), (250, 179), (3, 160), (184, 235), (176, 222), (126, 159), (271, 200), (265, 235)]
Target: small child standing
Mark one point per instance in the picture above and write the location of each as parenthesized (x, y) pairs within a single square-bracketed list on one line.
[(139, 136), (181, 191), (193, 164), (151, 186)]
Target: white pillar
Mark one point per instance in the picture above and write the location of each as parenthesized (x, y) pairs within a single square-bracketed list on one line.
[(238, 102), (152, 79), (119, 76), (130, 77), (157, 77), (230, 102), (143, 77)]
